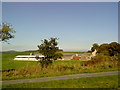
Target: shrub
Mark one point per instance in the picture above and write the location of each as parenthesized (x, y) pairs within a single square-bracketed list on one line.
[(97, 59)]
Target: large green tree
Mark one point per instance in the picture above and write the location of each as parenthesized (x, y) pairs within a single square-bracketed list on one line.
[(6, 32), (49, 49), (103, 49), (112, 49)]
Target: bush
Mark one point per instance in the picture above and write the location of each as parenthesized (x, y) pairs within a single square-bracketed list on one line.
[(97, 59)]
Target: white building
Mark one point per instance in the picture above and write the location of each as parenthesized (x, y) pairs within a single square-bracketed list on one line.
[(28, 57)]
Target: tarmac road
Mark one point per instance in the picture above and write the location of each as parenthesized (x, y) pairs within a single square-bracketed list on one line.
[(59, 77)]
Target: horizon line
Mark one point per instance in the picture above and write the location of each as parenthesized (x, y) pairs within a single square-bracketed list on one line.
[(36, 50)]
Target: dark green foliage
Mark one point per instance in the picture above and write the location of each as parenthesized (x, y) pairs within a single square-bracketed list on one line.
[(95, 46), (104, 49), (49, 49), (105, 52), (112, 49), (6, 32), (45, 63), (89, 51)]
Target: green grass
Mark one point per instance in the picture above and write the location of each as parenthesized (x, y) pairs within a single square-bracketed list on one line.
[(32, 69), (9, 63), (88, 82)]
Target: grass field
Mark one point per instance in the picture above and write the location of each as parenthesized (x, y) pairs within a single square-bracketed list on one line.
[(32, 69), (9, 63), (88, 82)]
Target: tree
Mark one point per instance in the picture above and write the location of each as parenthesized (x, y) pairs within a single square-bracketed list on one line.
[(6, 32), (112, 49), (104, 49), (49, 49), (95, 46)]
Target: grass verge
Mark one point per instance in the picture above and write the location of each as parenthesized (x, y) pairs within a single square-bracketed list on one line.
[(88, 82)]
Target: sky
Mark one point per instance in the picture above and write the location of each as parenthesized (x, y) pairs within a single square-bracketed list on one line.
[(78, 25), (60, 0)]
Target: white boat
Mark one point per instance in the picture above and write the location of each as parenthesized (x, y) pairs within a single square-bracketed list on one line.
[(28, 57)]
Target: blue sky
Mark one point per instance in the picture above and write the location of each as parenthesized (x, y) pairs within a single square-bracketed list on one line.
[(77, 24)]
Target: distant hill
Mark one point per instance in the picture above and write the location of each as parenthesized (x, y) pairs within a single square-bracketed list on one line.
[(13, 51)]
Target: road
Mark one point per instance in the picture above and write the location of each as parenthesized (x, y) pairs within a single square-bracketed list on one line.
[(59, 77)]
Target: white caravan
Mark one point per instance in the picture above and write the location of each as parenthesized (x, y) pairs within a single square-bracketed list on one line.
[(28, 57)]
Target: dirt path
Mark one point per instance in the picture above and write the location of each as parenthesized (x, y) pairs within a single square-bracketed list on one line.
[(60, 77)]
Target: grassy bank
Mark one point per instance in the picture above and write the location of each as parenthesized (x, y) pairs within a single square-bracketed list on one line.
[(89, 82), (31, 69)]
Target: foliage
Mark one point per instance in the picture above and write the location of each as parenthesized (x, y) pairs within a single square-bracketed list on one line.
[(45, 63), (105, 52), (95, 46), (6, 32), (97, 59), (112, 49), (49, 49)]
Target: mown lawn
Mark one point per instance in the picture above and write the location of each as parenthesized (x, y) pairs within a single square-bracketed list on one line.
[(88, 82)]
